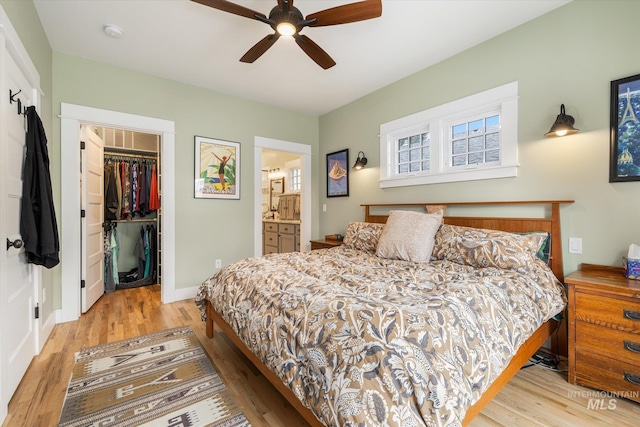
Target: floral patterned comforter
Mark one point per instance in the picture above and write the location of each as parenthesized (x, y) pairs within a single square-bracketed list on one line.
[(363, 340)]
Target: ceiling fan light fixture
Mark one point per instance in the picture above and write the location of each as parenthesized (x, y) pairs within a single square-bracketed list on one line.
[(286, 28)]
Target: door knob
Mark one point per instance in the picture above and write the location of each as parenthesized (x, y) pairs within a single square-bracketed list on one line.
[(16, 243)]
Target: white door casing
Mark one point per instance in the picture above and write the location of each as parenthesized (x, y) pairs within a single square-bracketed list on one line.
[(72, 116), (92, 258), (20, 285)]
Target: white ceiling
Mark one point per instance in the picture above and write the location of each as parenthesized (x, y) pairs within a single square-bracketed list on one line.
[(191, 43)]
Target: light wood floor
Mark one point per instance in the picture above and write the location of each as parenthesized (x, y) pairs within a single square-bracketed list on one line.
[(535, 397)]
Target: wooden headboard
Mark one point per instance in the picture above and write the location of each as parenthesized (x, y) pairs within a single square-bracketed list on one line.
[(550, 223)]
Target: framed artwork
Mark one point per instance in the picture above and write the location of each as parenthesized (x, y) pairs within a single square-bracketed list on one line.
[(625, 130), (217, 169), (276, 189), (338, 174)]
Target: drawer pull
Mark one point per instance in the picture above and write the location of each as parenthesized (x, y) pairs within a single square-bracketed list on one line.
[(632, 378), (630, 314), (632, 346)]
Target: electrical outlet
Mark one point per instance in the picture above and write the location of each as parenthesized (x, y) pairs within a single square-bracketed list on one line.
[(44, 295), (324, 207), (218, 263)]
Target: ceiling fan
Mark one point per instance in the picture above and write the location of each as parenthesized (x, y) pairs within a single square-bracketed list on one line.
[(287, 20)]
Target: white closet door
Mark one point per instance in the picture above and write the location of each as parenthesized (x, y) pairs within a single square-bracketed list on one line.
[(93, 205)]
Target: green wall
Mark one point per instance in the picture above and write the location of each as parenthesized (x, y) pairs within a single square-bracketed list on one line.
[(567, 56), (206, 229)]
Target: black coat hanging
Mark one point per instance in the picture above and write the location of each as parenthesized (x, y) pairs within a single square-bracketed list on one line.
[(38, 225)]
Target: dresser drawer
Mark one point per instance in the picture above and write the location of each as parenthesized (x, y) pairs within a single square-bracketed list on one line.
[(286, 228), (614, 313), (270, 250), (601, 372), (624, 346), (271, 238), (270, 226)]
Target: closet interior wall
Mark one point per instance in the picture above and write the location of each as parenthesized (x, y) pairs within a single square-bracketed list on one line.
[(129, 145)]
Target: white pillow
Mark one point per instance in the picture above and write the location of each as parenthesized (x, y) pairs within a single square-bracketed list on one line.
[(408, 236)]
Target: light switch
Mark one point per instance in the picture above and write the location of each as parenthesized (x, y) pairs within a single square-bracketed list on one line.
[(575, 245)]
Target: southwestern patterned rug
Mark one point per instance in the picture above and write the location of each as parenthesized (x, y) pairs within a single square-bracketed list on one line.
[(160, 379)]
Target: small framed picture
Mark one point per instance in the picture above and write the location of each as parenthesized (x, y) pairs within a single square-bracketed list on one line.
[(625, 130), (338, 174), (217, 169)]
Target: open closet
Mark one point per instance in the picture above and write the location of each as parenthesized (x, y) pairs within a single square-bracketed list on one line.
[(130, 209)]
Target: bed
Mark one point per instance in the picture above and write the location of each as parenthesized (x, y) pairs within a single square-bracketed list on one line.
[(354, 335)]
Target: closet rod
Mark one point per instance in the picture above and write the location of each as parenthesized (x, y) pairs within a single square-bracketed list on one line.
[(135, 156)]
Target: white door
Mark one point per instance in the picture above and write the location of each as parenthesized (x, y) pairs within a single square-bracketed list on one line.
[(18, 279), (92, 203)]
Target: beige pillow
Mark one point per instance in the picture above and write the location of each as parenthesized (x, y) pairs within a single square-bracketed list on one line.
[(408, 236)]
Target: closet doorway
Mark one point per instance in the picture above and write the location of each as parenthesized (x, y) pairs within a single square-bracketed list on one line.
[(122, 212), (72, 118)]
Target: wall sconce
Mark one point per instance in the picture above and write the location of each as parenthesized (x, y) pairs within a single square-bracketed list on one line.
[(563, 125), (361, 161)]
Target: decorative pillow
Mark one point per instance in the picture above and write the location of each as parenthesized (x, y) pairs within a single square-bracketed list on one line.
[(487, 248), (363, 236), (408, 236)]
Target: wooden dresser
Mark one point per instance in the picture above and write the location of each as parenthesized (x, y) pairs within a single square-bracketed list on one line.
[(604, 330)]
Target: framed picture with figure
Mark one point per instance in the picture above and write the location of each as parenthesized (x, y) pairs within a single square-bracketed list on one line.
[(217, 169), (625, 130)]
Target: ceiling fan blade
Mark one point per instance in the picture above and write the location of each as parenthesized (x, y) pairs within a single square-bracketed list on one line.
[(230, 7), (352, 12), (259, 48), (314, 51)]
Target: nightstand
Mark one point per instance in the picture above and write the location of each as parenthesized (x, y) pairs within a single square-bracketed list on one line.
[(324, 244), (604, 330)]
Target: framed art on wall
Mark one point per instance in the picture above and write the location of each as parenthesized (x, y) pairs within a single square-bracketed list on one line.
[(217, 169), (338, 174), (625, 130)]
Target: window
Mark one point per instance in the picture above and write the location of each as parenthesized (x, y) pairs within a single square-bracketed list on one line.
[(468, 139), (295, 181)]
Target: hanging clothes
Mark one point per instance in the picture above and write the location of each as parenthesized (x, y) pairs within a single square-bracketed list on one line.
[(154, 198), (111, 250), (38, 225), (110, 192), (139, 252), (118, 190), (147, 254), (126, 190)]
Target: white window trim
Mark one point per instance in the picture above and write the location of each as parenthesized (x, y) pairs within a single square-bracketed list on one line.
[(438, 120)]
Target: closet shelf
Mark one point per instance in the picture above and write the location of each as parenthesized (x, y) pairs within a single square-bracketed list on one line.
[(135, 220)]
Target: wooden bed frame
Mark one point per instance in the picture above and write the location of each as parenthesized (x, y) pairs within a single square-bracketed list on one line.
[(549, 223)]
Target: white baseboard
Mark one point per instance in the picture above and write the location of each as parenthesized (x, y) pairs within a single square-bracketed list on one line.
[(182, 294)]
